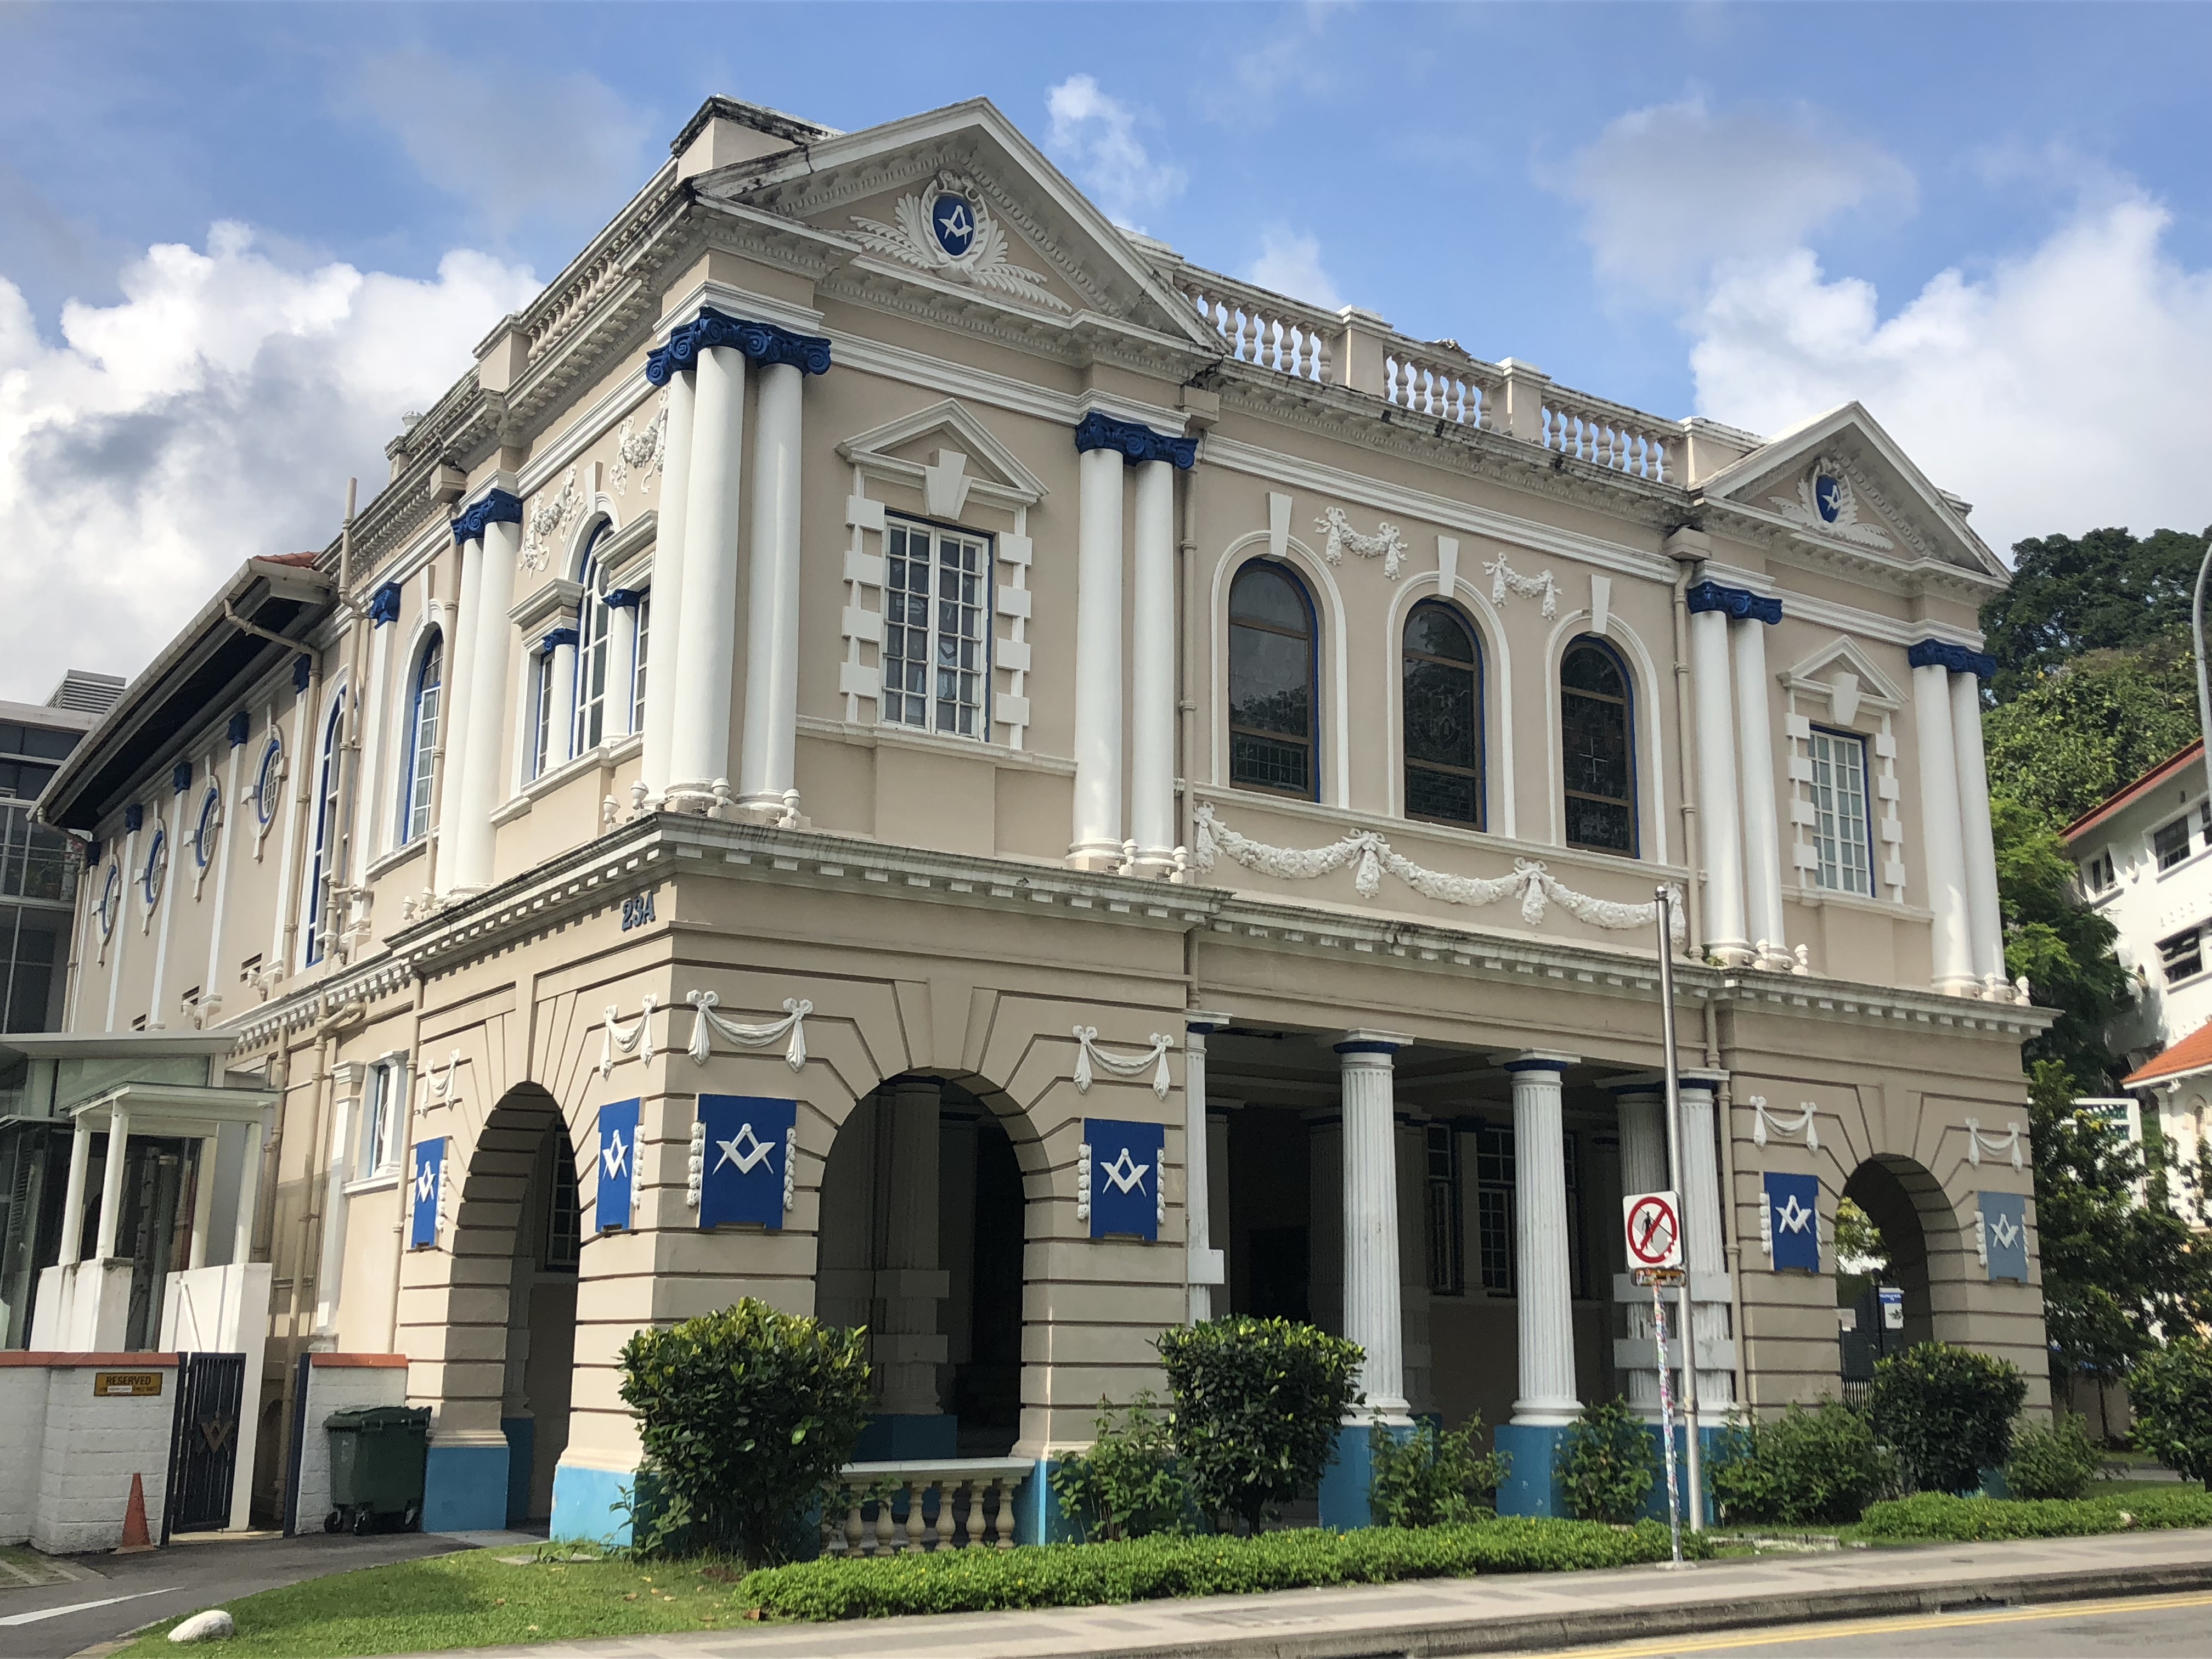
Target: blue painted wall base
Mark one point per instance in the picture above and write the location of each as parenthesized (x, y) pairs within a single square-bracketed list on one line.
[(465, 1489), (1709, 1441), (1038, 1519), (901, 1436), (1531, 1486), (1350, 1473), (585, 1503), (521, 1434)]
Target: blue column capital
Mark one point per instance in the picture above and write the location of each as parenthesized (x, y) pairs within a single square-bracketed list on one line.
[(556, 638), (764, 342), (1942, 653), (180, 776), (1738, 602), (134, 818), (1136, 443), (241, 727), (303, 670), (622, 598), (497, 507), (384, 605)]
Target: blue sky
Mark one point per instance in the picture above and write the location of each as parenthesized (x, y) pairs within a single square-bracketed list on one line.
[(237, 242)]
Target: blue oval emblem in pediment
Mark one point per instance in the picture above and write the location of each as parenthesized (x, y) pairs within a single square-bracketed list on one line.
[(953, 220), (1828, 496)]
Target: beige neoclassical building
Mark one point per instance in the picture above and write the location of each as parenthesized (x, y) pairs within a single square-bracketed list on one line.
[(893, 747)]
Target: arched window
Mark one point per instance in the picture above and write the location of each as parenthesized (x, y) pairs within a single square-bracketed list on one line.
[(1598, 748), (267, 779), (1443, 717), (595, 624), (415, 772), (203, 834), (320, 869), (1272, 736)]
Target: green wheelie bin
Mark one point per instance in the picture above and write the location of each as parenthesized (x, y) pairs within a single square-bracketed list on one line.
[(377, 1458)]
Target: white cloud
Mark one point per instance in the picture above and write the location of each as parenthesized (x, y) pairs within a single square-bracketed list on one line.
[(1290, 262), (214, 413), (2063, 391), (1669, 192), (1289, 62), (1096, 134)]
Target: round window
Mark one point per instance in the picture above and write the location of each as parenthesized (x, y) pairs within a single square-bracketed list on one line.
[(157, 865), (210, 821), (111, 895), (266, 781)]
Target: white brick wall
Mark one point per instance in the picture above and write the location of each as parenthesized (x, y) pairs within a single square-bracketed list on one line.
[(337, 1388), (88, 1450), (22, 1445)]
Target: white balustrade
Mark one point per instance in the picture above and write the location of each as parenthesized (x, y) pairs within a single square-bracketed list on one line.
[(1606, 434), (1262, 329), (1462, 393), (884, 1508)]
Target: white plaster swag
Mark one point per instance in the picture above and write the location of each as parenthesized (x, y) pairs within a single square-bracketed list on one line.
[(1763, 1118), (441, 1083), (613, 1037), (2013, 1140), (1388, 543), (1504, 576), (1536, 886), (643, 450), (1089, 1054), (792, 1026), (550, 518)]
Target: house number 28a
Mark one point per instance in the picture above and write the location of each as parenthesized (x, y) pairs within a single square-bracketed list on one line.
[(636, 912)]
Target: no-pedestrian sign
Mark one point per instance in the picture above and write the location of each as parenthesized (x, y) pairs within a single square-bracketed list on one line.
[(1655, 1234)]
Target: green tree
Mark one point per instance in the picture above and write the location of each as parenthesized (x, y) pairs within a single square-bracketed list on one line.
[(2080, 732), (2064, 947), (2107, 591)]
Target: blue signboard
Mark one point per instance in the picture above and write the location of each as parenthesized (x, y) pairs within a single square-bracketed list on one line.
[(428, 1188), (745, 1159), (2004, 1233), (1124, 1169), (1793, 1210), (617, 1176)]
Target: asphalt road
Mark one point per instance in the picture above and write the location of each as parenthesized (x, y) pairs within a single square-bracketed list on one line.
[(121, 1592), (2133, 1625)]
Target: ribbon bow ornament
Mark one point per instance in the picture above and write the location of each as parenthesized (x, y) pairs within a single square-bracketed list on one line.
[(1089, 1054)]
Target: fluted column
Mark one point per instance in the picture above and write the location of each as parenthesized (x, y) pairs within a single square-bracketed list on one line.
[(1723, 848), (621, 660), (768, 761), (1203, 1265), (1984, 921), (1642, 1105), (561, 691), (707, 620), (1098, 843), (1942, 850), (667, 578), (1705, 1247), (490, 673), (1372, 1315), (1762, 827), (1152, 666), (1545, 1298), (454, 713), (912, 1284)]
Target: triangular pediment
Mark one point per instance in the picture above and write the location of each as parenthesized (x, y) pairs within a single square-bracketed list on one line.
[(959, 201), (1843, 482), (1841, 672), (948, 453)]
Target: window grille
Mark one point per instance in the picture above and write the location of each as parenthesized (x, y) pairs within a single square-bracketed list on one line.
[(2171, 843), (1597, 750), (937, 644), (1841, 828), (1494, 1208), (2182, 956), (1441, 1149)]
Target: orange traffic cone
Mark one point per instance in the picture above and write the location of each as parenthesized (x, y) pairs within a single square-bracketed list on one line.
[(135, 1537)]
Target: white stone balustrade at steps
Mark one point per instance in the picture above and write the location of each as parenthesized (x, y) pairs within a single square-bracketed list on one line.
[(975, 1505)]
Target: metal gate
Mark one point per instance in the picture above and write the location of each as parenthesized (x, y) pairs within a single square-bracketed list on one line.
[(204, 1443)]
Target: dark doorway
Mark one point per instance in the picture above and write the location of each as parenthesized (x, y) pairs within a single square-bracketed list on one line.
[(1269, 1234), (986, 1389), (1879, 1187)]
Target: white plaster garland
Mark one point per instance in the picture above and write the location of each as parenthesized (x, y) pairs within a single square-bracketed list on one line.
[(613, 1037), (2013, 1140), (792, 1026), (1387, 544), (1088, 1053), (1536, 885), (441, 1085), (1083, 1182), (1504, 578), (1763, 1118), (644, 451), (550, 518), (913, 240)]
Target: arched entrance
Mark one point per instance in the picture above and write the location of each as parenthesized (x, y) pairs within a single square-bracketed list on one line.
[(1905, 1205), (921, 1240)]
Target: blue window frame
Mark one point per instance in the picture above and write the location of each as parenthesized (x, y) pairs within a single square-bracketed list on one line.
[(320, 868), (595, 626), (1274, 736), (1597, 747), (203, 833), (111, 899), (1442, 685), (423, 712), (157, 866), (267, 779)]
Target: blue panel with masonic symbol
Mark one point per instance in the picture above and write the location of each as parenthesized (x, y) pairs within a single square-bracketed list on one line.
[(1793, 1204), (1125, 1176), (744, 1160), (1828, 496), (618, 1180), (952, 220), (2004, 1233), (426, 1185)]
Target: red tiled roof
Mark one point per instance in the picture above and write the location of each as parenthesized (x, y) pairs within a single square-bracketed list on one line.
[(2135, 792), (306, 559), (2192, 1054)]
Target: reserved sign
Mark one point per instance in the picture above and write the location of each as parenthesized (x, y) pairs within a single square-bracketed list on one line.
[(104, 1383)]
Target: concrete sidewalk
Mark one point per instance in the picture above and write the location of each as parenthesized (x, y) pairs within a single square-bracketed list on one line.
[(1501, 1614)]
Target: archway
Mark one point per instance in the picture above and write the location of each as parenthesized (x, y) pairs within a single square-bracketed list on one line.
[(1903, 1202)]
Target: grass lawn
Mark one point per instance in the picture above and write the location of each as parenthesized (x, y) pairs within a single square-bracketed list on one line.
[(474, 1599), (2132, 1488)]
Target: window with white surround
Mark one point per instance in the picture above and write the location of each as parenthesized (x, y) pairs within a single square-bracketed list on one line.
[(384, 1114), (2097, 875), (2170, 841), (937, 624), (421, 739), (595, 625), (2181, 956), (642, 612), (322, 869), (541, 712), (1841, 838)]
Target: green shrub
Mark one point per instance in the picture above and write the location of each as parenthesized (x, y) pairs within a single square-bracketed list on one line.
[(2052, 1463), (1607, 1463), (2171, 1390), (1817, 1468), (1947, 1412), (1981, 1520), (1128, 1485), (1257, 1407), (1151, 1569), (743, 1415), (1430, 1478)]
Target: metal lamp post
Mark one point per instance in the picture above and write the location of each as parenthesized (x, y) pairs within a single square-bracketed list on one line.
[(1695, 1459)]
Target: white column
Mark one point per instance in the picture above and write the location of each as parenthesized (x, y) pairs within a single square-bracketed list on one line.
[(1717, 816), (73, 1196), (202, 1200), (1372, 1316), (1941, 850), (1705, 1250), (374, 814), (622, 666), (111, 1186), (706, 632), (1762, 828), (668, 537), (1152, 673), (768, 761), (1545, 1290), (1097, 844), (1203, 1262), (454, 713), (235, 813), (158, 994), (561, 725), (121, 933), (1643, 1117), (249, 1194), (492, 655), (330, 1270), (1985, 922), (912, 1285)]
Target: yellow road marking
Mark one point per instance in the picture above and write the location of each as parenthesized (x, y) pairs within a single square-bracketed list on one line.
[(1836, 1632)]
